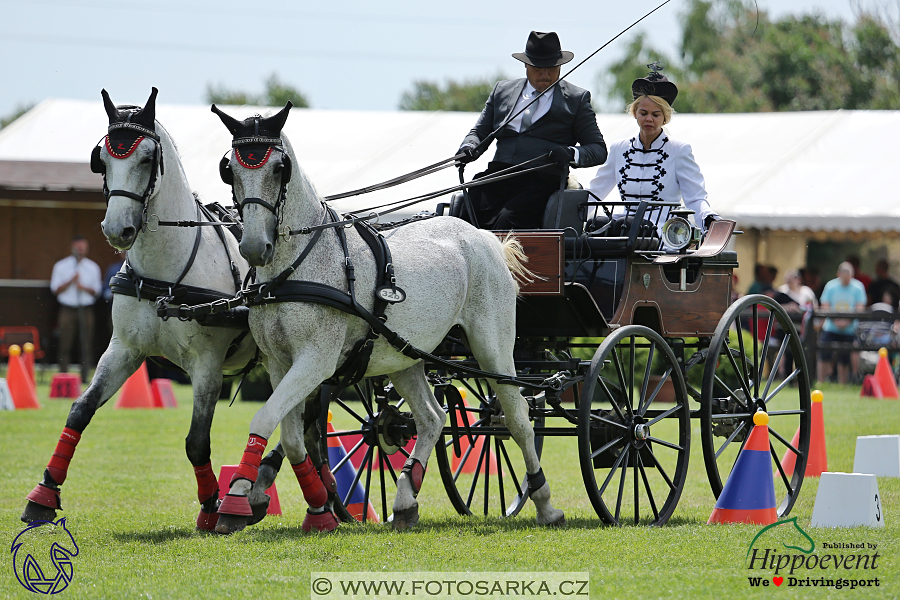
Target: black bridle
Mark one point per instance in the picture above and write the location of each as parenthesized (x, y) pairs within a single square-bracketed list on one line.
[(97, 165)]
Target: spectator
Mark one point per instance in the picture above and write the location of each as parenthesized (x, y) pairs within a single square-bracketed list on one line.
[(857, 272), (761, 280), (800, 294), (882, 284), (76, 283), (810, 278), (842, 295)]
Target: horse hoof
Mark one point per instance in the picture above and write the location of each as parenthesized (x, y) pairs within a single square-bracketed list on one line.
[(207, 521), (35, 512), (558, 519), (321, 522), (228, 524), (406, 518), (259, 510)]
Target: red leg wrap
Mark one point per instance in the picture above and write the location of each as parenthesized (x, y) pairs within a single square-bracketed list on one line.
[(236, 505), (313, 490), (65, 448), (207, 485), (45, 496), (325, 521), (416, 473), (207, 521), (249, 467), (328, 479)]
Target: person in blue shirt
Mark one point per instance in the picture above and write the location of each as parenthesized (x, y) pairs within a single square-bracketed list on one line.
[(846, 295)]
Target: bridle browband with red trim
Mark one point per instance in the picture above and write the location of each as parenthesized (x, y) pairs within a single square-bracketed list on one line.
[(97, 165), (275, 144)]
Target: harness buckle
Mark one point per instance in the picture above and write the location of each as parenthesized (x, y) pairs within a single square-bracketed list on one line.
[(285, 232), (185, 310), (216, 304), (150, 228)]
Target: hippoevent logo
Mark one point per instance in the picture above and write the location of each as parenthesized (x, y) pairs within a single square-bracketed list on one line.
[(784, 554), (42, 556)]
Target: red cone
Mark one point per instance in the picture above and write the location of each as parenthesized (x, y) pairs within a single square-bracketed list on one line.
[(818, 457), (20, 384), (136, 391)]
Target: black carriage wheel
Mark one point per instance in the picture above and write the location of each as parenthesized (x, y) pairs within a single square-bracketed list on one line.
[(755, 331), (488, 476), (625, 423), (376, 430)]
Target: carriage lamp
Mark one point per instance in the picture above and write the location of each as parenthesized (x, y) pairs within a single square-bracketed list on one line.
[(677, 233)]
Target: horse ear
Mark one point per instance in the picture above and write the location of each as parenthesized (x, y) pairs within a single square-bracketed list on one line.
[(276, 122), (147, 115), (111, 109), (230, 122)]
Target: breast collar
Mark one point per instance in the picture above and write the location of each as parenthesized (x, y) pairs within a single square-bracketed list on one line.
[(646, 156)]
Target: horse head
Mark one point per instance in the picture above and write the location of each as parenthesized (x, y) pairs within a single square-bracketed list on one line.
[(129, 158), (258, 172)]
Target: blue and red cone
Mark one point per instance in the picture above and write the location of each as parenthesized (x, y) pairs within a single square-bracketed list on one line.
[(749, 493), (344, 478)]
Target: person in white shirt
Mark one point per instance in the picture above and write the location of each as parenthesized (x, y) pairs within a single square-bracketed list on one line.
[(652, 165), (76, 283)]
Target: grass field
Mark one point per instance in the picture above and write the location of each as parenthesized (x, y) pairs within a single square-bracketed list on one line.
[(130, 503)]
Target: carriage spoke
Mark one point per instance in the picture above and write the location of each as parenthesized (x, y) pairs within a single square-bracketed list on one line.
[(765, 349), (352, 412), (662, 380), (497, 445), (612, 472), (606, 447), (617, 362), (667, 413), (630, 388), (666, 443), (475, 478), (608, 422), (784, 477), (487, 475), (782, 385), (662, 472), (371, 466), (512, 470), (462, 461), (754, 328), (724, 416), (364, 391), (381, 462), (622, 482), (775, 364), (731, 437), (776, 413), (781, 439), (637, 489), (647, 488), (347, 456), (612, 399), (646, 382), (359, 471), (731, 392), (743, 380)]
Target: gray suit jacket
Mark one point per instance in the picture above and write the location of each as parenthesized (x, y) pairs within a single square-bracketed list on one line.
[(570, 121)]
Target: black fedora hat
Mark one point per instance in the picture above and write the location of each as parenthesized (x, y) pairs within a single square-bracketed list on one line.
[(543, 50), (655, 84)]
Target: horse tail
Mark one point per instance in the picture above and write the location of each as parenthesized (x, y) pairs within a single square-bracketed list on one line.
[(515, 258)]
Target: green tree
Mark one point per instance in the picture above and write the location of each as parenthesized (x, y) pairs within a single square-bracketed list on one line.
[(633, 65), (466, 96), (735, 59), (20, 110), (276, 93)]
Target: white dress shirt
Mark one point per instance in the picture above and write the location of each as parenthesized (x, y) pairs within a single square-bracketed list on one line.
[(88, 276), (666, 172), (539, 108)]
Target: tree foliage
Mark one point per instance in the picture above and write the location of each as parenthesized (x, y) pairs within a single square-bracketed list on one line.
[(735, 59), (465, 96), (276, 93), (20, 110)]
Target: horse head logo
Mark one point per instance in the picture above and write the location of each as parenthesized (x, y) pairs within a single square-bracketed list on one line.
[(38, 538), (807, 547)]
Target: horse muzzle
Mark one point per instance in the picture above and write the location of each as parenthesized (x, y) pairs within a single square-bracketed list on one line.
[(258, 253), (120, 238)]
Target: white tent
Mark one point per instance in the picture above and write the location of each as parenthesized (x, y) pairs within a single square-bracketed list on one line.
[(799, 171)]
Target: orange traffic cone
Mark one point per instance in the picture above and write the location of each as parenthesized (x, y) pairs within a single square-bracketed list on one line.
[(818, 457), (344, 476), (885, 376), (163, 396), (136, 390), (749, 493), (471, 464), (20, 384), (28, 356)]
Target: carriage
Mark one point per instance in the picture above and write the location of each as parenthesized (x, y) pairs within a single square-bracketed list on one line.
[(625, 339)]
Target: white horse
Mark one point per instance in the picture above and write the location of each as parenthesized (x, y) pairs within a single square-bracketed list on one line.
[(453, 274), (144, 178)]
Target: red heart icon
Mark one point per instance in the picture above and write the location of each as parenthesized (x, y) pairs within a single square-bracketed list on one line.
[(777, 580)]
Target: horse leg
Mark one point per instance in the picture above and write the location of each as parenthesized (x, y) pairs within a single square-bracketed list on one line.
[(318, 516), (235, 511), (206, 385), (497, 357), (114, 367), (412, 385), (316, 444), (268, 471)]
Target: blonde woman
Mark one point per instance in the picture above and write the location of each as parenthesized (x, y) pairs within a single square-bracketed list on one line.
[(652, 165)]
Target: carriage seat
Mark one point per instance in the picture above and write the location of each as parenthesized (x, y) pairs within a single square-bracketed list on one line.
[(598, 238)]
